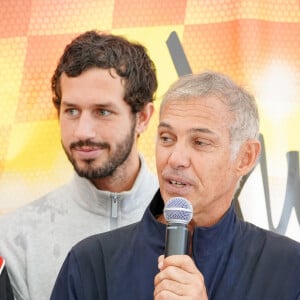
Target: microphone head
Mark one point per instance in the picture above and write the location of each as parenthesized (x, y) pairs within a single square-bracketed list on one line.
[(178, 210)]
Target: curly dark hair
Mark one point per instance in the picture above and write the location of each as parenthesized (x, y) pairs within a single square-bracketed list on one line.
[(106, 51)]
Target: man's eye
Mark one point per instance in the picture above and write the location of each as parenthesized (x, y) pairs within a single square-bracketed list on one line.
[(104, 112), (201, 143), (165, 139), (72, 112)]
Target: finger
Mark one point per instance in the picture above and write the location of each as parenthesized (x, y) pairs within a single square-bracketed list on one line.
[(183, 262), (190, 288), (165, 295), (170, 273), (179, 268), (169, 287)]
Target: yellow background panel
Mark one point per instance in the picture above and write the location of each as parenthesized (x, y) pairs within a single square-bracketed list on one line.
[(35, 163), (4, 142), (13, 51), (33, 146)]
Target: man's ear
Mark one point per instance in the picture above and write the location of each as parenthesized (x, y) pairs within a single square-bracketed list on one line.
[(143, 118), (248, 156)]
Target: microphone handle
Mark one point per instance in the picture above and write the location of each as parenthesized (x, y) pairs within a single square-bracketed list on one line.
[(176, 239)]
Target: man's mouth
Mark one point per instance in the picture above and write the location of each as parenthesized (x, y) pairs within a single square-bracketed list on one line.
[(86, 149), (88, 146), (177, 183)]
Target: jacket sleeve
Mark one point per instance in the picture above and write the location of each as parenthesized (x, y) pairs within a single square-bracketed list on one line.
[(68, 285), (5, 287)]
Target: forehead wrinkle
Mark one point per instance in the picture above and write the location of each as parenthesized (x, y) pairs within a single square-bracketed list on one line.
[(190, 130), (178, 107), (204, 108)]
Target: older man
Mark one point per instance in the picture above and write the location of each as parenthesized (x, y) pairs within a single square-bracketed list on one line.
[(207, 141)]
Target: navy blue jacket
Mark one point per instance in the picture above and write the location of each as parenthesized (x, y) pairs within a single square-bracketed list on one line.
[(6, 292), (238, 261)]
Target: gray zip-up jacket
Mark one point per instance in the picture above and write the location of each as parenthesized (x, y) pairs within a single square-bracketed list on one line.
[(35, 239)]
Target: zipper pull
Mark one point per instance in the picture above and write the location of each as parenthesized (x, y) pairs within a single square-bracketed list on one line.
[(114, 206)]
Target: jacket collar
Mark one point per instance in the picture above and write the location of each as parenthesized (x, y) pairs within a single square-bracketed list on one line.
[(206, 240)]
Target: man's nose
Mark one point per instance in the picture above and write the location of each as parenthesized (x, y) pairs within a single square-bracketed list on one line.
[(179, 157), (85, 127)]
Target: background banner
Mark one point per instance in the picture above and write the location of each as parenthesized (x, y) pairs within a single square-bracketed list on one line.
[(255, 42)]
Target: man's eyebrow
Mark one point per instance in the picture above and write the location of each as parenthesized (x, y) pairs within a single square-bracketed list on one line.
[(202, 130), (97, 105), (67, 103), (165, 125), (191, 130)]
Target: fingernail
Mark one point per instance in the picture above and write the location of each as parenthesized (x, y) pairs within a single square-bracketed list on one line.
[(160, 265)]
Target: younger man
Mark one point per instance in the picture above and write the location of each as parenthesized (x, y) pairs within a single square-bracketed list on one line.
[(103, 89)]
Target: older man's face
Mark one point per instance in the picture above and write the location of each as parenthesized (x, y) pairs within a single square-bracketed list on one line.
[(193, 156)]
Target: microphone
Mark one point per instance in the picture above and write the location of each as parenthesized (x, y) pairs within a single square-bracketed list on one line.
[(178, 212)]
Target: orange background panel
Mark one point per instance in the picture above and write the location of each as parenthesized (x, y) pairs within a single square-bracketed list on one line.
[(134, 13), (215, 11), (241, 46), (69, 16), (14, 17)]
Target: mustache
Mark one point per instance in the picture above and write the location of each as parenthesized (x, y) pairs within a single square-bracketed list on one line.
[(88, 143)]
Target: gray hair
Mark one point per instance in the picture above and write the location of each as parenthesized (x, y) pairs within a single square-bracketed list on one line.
[(240, 103)]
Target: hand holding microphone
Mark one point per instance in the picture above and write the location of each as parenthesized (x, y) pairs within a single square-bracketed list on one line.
[(178, 274)]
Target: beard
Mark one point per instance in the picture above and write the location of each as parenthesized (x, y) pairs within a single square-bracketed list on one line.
[(90, 170)]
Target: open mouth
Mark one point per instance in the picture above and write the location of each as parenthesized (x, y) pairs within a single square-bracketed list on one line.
[(177, 183)]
